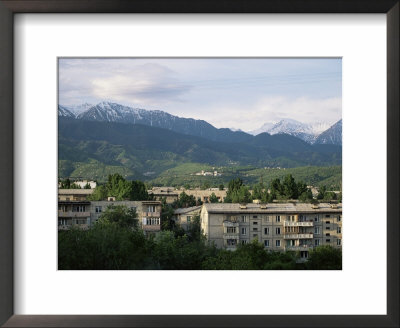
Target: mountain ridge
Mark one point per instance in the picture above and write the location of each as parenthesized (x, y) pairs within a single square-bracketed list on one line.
[(113, 112)]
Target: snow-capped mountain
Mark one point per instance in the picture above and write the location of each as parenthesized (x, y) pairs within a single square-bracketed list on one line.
[(306, 132), (65, 112), (113, 112), (333, 135), (265, 128), (78, 109)]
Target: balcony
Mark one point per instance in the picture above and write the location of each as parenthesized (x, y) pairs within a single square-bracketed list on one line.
[(70, 214), (299, 224), (155, 227), (298, 236), (299, 248), (152, 214), (231, 236), (230, 224)]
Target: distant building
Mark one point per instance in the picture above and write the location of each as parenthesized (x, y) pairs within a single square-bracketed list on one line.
[(204, 195), (83, 183), (278, 226), (148, 212), (167, 193), (74, 194), (75, 210), (184, 216)]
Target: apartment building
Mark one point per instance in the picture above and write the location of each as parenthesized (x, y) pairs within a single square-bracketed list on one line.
[(204, 195), (168, 193), (85, 213), (74, 194), (278, 226), (184, 216)]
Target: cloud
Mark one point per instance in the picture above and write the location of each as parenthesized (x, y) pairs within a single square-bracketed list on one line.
[(273, 109), (148, 84)]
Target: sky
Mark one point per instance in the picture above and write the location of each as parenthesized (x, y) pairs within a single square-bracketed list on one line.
[(239, 93)]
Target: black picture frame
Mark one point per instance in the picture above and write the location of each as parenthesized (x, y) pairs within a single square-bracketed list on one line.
[(7, 10)]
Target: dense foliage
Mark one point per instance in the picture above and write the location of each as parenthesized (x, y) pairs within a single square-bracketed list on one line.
[(121, 189), (115, 243), (288, 189)]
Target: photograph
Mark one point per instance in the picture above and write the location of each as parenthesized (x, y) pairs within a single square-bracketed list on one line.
[(199, 163)]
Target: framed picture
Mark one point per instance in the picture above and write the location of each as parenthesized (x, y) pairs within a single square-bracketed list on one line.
[(52, 62)]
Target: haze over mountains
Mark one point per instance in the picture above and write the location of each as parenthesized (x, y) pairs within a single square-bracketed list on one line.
[(113, 112)]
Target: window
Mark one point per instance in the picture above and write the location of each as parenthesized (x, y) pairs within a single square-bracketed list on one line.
[(328, 234), (254, 216), (328, 228), (328, 240), (188, 219), (231, 242), (316, 219), (339, 230), (151, 208), (244, 218), (255, 235), (328, 222), (327, 216), (338, 242), (133, 208), (79, 208), (277, 243), (151, 221), (266, 231), (278, 218), (316, 242), (255, 223), (278, 231), (255, 229), (230, 229), (317, 230), (339, 219), (266, 243), (244, 242), (244, 231), (266, 219), (98, 209)]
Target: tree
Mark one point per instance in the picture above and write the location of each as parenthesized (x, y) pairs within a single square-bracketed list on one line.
[(289, 187), (258, 191), (119, 215), (325, 258), (242, 195), (213, 198), (184, 201), (233, 187), (276, 186), (221, 187), (121, 189), (87, 186), (321, 192)]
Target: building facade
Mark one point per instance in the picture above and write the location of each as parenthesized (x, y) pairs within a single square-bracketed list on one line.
[(84, 213), (278, 226), (184, 216), (168, 193)]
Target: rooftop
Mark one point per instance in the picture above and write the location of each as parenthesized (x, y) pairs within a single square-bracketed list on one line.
[(271, 208), (75, 191), (187, 209)]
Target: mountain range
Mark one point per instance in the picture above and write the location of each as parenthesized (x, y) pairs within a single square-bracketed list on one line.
[(306, 132), (108, 138), (113, 112)]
